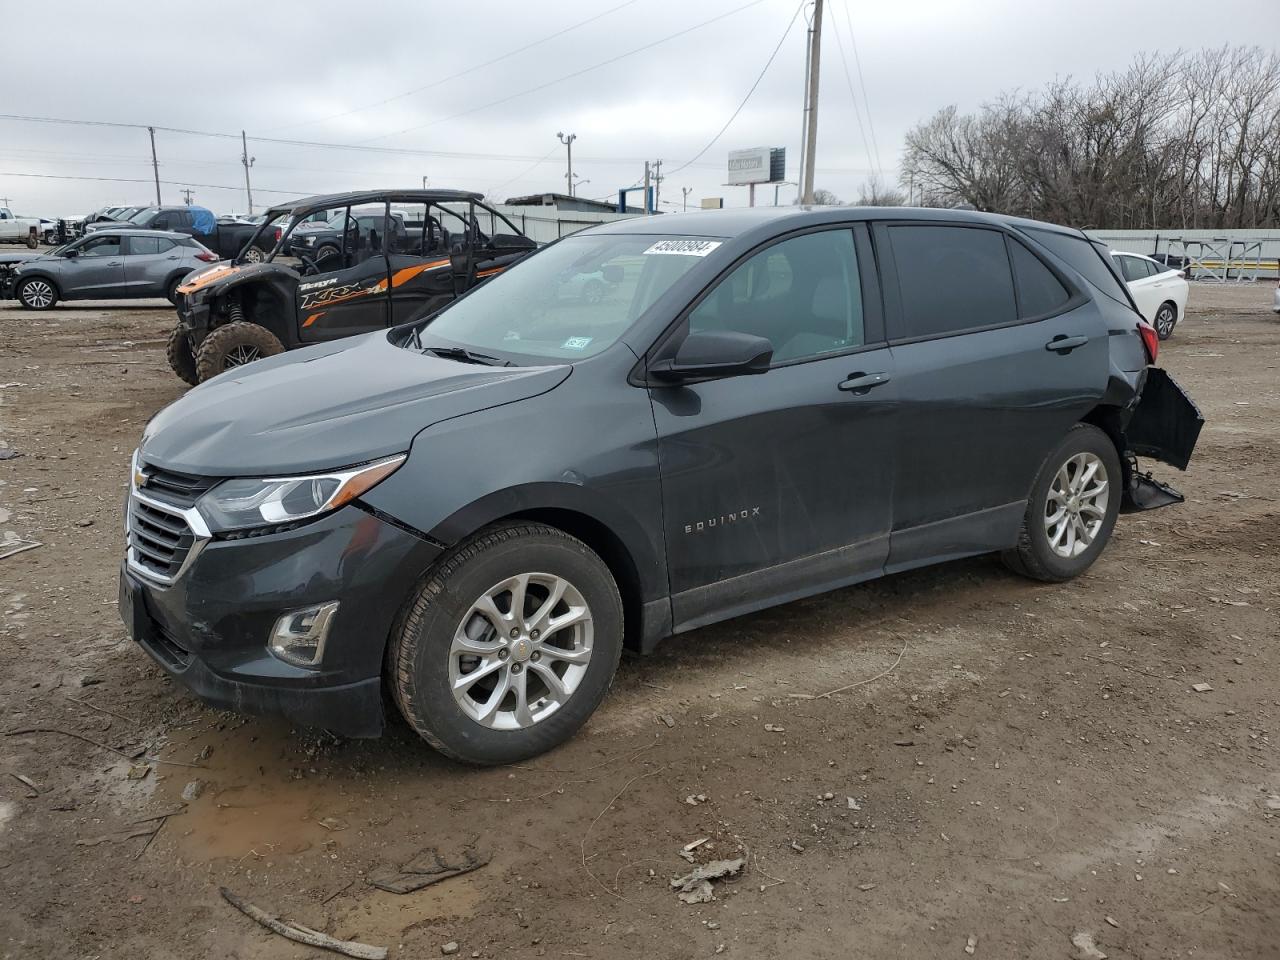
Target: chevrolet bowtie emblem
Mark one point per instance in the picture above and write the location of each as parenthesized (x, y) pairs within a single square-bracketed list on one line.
[(140, 479)]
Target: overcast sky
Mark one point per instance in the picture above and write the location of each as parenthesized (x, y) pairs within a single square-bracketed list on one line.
[(318, 71)]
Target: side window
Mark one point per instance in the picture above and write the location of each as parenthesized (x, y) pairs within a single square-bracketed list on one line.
[(142, 246), (803, 295), (1132, 268), (951, 279), (1083, 257), (101, 247), (163, 221), (1040, 293)]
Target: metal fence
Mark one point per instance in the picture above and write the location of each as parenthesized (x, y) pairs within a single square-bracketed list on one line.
[(545, 224), (1221, 255)]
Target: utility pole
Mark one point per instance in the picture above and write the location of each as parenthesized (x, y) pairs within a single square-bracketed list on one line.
[(248, 162), (657, 183), (186, 195), (424, 183), (811, 105), (155, 165), (684, 197), (804, 110), (647, 211), (567, 140)]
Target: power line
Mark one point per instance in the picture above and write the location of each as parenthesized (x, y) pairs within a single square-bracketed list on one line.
[(767, 64), (168, 183), (568, 76), (463, 73), (523, 173), (853, 97), (857, 62)]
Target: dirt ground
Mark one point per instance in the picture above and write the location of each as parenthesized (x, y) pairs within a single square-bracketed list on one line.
[(1028, 763)]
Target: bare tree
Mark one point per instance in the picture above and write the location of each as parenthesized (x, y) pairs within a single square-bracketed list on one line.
[(825, 198), (1176, 140), (873, 193)]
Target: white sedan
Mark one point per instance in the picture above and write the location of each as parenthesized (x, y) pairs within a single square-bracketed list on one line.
[(1159, 290)]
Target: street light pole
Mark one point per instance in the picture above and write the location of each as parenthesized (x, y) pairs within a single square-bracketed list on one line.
[(155, 165), (684, 198), (567, 139), (248, 162)]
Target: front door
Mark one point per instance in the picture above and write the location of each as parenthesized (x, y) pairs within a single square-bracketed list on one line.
[(779, 485), (343, 286), (972, 317), (98, 269)]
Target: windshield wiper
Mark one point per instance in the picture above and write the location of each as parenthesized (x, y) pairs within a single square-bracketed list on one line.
[(466, 356)]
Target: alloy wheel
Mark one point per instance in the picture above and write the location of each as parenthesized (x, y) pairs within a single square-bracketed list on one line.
[(1164, 321), (520, 651), (37, 293), (1076, 507), (239, 356)]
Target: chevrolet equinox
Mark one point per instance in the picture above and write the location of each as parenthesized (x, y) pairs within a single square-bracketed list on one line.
[(471, 514)]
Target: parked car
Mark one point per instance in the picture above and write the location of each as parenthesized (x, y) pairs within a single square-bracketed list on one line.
[(226, 239), (338, 265), (15, 229), (477, 511), (112, 216), (1159, 290), (107, 265)]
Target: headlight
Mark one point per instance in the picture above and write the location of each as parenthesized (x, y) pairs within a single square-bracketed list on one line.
[(240, 504)]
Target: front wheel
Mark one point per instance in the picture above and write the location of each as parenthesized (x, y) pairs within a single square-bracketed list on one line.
[(508, 645), (37, 294), (181, 360), (1166, 320), (234, 345), (1072, 508)]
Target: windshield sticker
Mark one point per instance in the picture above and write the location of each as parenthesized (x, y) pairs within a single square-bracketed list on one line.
[(575, 343), (684, 248)]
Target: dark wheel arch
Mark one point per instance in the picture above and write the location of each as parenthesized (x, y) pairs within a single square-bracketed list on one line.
[(171, 286)]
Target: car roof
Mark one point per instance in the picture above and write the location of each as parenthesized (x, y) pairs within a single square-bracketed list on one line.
[(368, 196), (727, 224)]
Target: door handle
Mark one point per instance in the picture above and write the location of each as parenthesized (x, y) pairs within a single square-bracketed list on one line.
[(1062, 344), (172, 257), (859, 383)]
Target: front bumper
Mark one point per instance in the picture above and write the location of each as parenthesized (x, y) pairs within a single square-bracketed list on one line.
[(209, 627), (194, 313)]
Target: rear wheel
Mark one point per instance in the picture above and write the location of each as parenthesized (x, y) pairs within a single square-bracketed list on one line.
[(508, 646), (33, 241), (234, 345), (37, 294), (1166, 320), (1072, 508), (254, 255), (181, 359)]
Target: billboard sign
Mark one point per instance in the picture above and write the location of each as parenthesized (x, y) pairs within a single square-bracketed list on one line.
[(757, 165)]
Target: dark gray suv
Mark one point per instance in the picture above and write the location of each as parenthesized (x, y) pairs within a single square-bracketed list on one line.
[(477, 511)]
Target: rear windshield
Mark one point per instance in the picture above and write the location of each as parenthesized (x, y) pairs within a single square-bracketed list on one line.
[(1080, 254)]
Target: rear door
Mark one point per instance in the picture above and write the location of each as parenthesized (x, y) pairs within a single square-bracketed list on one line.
[(418, 251), (98, 270), (997, 354), (779, 485), (148, 262)]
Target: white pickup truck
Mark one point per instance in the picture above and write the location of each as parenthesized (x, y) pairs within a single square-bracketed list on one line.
[(15, 229)]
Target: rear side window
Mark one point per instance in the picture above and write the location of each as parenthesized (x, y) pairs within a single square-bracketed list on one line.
[(139, 246), (951, 279), (1081, 256), (1040, 293)]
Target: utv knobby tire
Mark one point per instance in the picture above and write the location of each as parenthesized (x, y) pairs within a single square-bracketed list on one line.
[(217, 348), (1033, 556), (417, 655), (181, 359)]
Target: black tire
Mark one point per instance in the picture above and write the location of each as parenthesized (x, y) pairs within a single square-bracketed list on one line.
[(181, 359), (38, 293), (33, 241), (171, 290), (254, 255), (1034, 556), (234, 345), (1166, 319), (418, 653)]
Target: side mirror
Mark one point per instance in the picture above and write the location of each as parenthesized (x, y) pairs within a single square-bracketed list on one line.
[(715, 353), (74, 252)]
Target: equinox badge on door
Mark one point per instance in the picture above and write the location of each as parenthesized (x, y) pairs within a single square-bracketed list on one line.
[(724, 520)]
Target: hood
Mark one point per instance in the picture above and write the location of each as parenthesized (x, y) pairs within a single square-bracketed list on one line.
[(12, 259), (327, 406), (225, 274)]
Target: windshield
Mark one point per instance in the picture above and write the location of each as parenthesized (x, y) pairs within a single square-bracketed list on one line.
[(570, 300), (142, 214)]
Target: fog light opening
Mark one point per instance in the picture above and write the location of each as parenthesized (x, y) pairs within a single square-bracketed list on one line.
[(298, 636)]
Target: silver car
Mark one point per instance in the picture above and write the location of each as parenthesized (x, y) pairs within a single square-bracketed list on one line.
[(1275, 300), (110, 264)]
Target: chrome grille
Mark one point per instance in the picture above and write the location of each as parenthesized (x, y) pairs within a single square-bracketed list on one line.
[(159, 538)]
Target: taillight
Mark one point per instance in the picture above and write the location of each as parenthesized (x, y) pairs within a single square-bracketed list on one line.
[(1150, 340), (206, 256), (279, 230)]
